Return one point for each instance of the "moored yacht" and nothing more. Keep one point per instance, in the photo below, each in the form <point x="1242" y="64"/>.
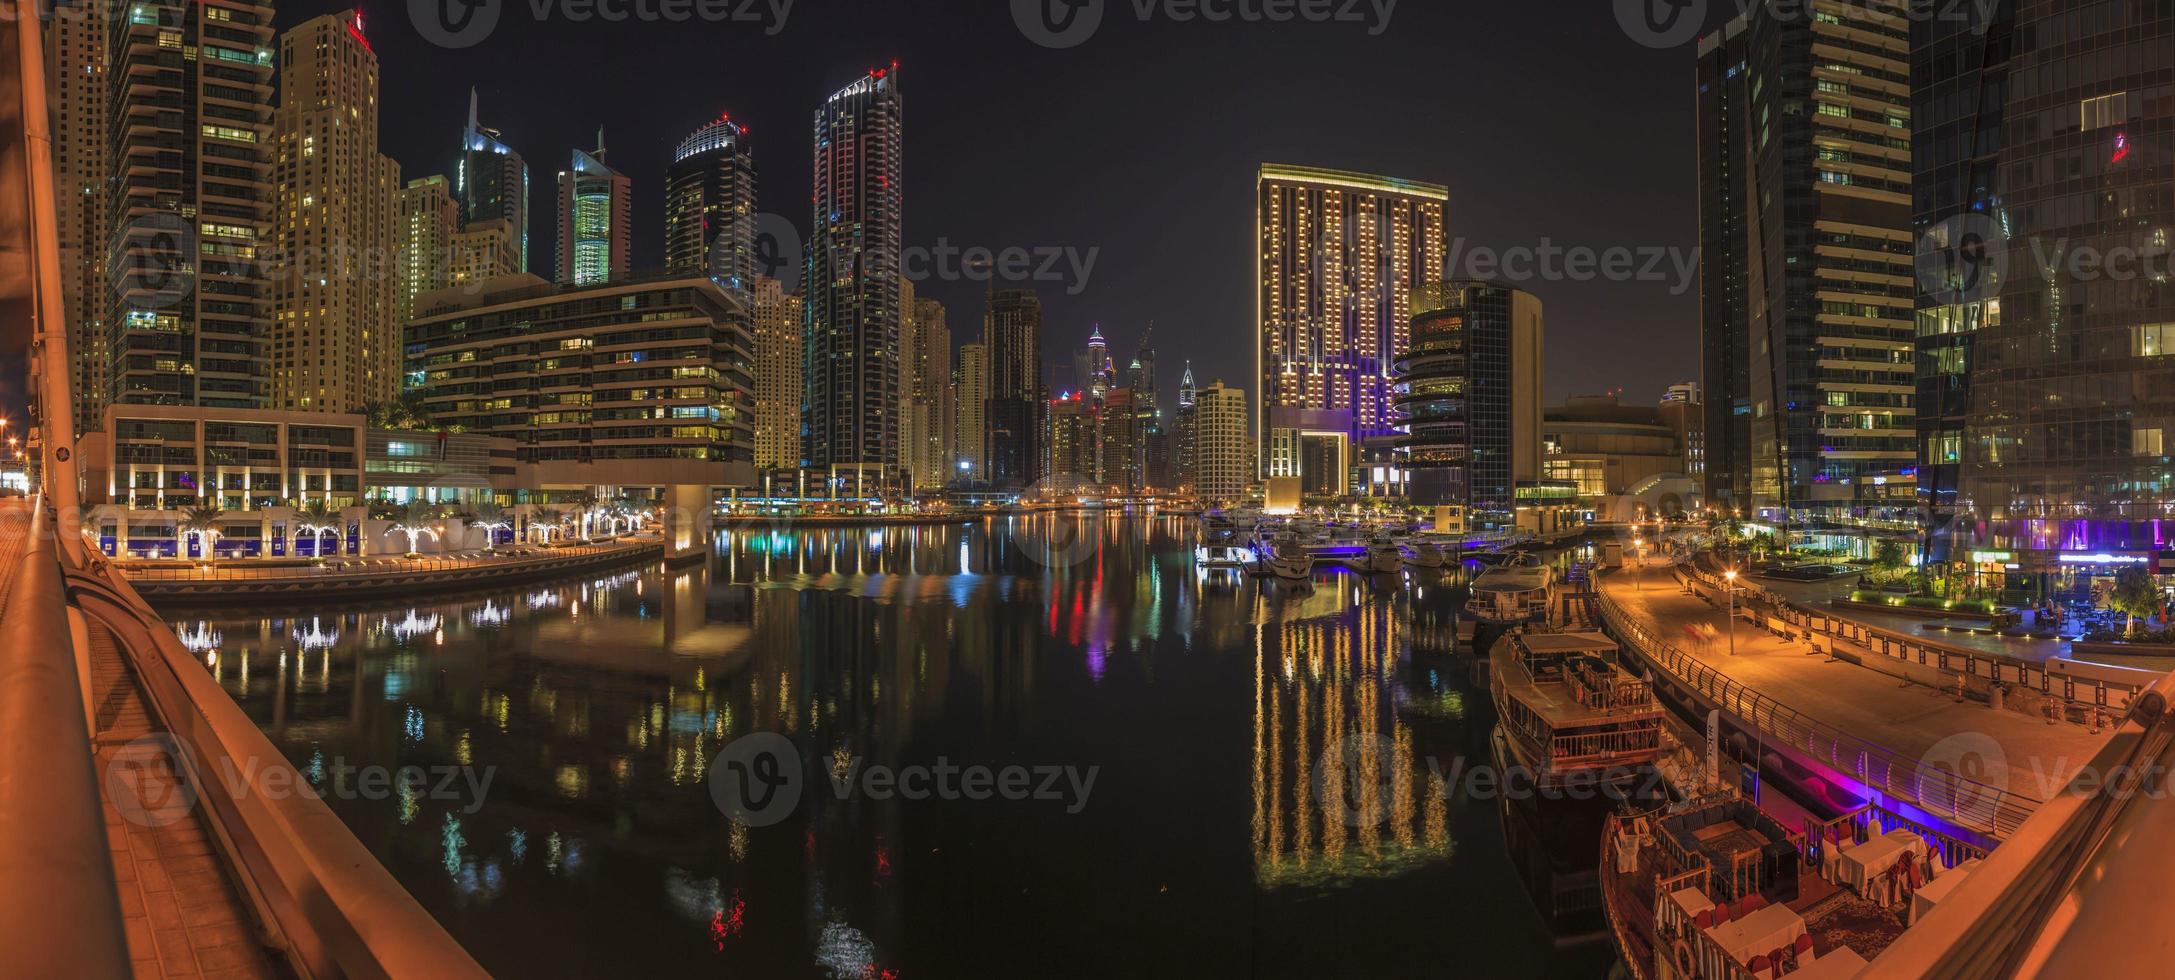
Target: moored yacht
<point x="1567" y="708"/>
<point x="1285" y="557"/>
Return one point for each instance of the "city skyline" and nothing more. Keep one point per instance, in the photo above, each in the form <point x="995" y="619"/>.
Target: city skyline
<point x="1193" y="280"/>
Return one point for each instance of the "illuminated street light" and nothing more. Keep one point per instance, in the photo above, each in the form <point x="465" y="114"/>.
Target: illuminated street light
<point x="1731" y="575"/>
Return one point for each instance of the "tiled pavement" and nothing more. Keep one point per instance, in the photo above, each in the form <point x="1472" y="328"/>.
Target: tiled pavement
<point x="183" y="914"/>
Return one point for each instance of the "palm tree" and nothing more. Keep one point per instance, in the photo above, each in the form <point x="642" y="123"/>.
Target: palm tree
<point x="204" y="523"/>
<point x="584" y="508"/>
<point x="415" y="519"/>
<point x="492" y="518"/>
<point x="547" y="522"/>
<point x="317" y="519"/>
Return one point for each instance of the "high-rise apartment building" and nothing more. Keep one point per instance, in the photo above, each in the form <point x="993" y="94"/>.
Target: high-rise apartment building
<point x="928" y="399"/>
<point x="491" y="182"/>
<point x="1337" y="257"/>
<point x="1012" y="413"/>
<point x="75" y="60"/>
<point x="710" y="207"/>
<point x="2046" y="314"/>
<point x="1473" y="398"/>
<point x="970" y="400"/>
<point x="189" y="203"/>
<point x="1182" y="454"/>
<point x="427" y="222"/>
<point x="483" y="250"/>
<point x="596" y="220"/>
<point x="1807" y="201"/>
<point x="777" y="375"/>
<point x="852" y="277"/>
<point x="335" y="339"/>
<point x="1223" y="459"/>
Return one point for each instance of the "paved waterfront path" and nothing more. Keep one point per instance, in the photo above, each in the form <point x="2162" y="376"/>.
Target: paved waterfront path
<point x="1816" y="595"/>
<point x="14" y="540"/>
<point x="1909" y="719"/>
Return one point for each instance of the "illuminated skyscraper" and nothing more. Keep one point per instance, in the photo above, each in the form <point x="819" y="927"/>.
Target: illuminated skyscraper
<point x="851" y="283"/>
<point x="1012" y="334"/>
<point x="1338" y="257"/>
<point x="928" y="398"/>
<point x="777" y="376"/>
<point x="970" y="400"/>
<point x="1223" y="465"/>
<point x="428" y="220"/>
<point x="76" y="60"/>
<point x="596" y="220"/>
<point x="189" y="204"/>
<point x="491" y="182"/>
<point x="335" y="341"/>
<point x="710" y="207"/>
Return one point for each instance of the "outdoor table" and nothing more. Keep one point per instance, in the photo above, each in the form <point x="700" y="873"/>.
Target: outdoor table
<point x="1934" y="891"/>
<point x="1856" y="867"/>
<point x="1765" y="930"/>
<point x="1689" y="903"/>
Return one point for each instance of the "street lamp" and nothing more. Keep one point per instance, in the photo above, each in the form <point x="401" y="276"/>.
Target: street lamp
<point x="1731" y="575"/>
<point x="1638" y="554"/>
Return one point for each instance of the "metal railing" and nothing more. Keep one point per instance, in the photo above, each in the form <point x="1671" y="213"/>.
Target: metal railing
<point x="60" y="910"/>
<point x="1994" y="811"/>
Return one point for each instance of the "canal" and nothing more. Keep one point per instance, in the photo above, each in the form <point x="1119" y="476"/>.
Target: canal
<point x="1219" y="777"/>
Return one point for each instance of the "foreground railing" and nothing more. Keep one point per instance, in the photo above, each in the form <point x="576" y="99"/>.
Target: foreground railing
<point x="1977" y="806"/>
<point x="323" y="899"/>
<point x="60" y="914"/>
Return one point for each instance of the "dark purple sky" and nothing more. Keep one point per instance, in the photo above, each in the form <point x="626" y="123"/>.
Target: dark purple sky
<point x="1545" y="120"/>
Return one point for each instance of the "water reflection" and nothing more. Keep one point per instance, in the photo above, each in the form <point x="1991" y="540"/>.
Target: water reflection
<point x="1262" y="749"/>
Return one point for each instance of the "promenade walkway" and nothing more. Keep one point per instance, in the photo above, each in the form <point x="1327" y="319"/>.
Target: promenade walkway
<point x="1817" y="595"/>
<point x="1912" y="720"/>
<point x="14" y="539"/>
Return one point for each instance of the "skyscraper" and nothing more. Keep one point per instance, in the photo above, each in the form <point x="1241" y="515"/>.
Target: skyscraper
<point x="483" y="250"/>
<point x="710" y="206"/>
<point x="928" y="397"/>
<point x="335" y="341"/>
<point x="1223" y="456"/>
<point x="970" y="400"/>
<point x="1813" y="170"/>
<point x="1012" y="333"/>
<point x="1724" y="339"/>
<point x="777" y="375"/>
<point x="76" y="59"/>
<point x="851" y="285"/>
<point x="427" y="222"/>
<point x="1473" y="398"/>
<point x="2046" y="318"/>
<point x="596" y="220"/>
<point x="1338" y="255"/>
<point x="190" y="204"/>
<point x="491" y="182"/>
<point x="1182" y="427"/>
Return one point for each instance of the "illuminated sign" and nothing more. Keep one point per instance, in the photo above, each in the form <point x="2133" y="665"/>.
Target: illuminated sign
<point x="1989" y="557"/>
<point x="2103" y="560"/>
<point x="2122" y="148"/>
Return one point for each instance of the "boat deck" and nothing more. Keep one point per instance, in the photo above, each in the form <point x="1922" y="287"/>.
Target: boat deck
<point x="1556" y="700"/>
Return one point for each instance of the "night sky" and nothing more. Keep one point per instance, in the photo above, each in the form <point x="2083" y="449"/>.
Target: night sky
<point x="1544" y="119"/>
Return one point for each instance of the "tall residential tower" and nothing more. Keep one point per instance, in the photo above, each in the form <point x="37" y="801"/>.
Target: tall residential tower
<point x="710" y="207"/>
<point x="596" y="220"/>
<point x="851" y="286"/>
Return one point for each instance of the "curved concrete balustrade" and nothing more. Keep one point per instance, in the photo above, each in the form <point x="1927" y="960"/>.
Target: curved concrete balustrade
<point x="322" y="898"/>
<point x="60" y="915"/>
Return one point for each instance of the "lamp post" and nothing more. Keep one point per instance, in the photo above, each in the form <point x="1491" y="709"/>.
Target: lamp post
<point x="1731" y="576"/>
<point x="1638" y="554"/>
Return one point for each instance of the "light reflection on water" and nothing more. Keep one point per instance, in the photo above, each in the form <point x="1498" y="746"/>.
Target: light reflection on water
<point x="1263" y="805"/>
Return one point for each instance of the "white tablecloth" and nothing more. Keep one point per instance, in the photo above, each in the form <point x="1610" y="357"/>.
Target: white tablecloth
<point x="1934" y="891"/>
<point x="1770" y="928"/>
<point x="1854" y="867"/>
<point x="1689" y="902"/>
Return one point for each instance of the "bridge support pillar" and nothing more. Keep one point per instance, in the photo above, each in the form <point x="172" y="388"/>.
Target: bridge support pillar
<point x="687" y="523"/>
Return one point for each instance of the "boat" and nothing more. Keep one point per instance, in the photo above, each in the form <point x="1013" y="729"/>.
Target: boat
<point x="1285" y="557"/>
<point x="1721" y="888"/>
<point x="1383" y="555"/>
<point x="1213" y="556"/>
<point x="1569" y="712"/>
<point x="1421" y="553"/>
<point x="1517" y="592"/>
